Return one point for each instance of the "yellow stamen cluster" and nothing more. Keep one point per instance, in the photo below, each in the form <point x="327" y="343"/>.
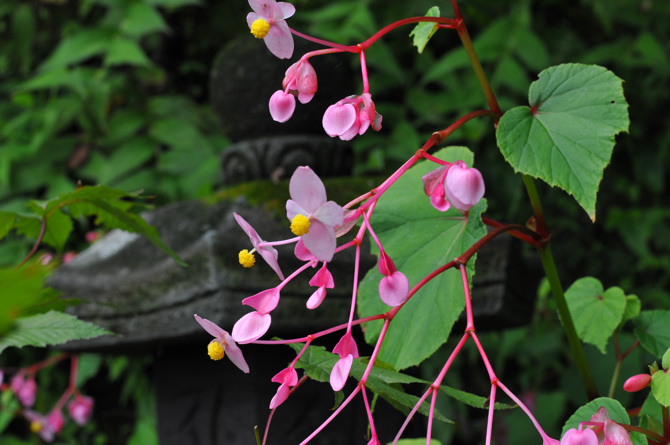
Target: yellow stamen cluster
<point x="247" y="259"/>
<point x="35" y="426"/>
<point x="260" y="28"/>
<point x="215" y="350"/>
<point x="300" y="225"/>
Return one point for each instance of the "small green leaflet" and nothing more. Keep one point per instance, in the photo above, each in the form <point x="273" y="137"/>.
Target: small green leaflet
<point x="423" y="31"/>
<point x="566" y="136"/>
<point x="419" y="239"/>
<point x="596" y="312"/>
<point x="52" y="328"/>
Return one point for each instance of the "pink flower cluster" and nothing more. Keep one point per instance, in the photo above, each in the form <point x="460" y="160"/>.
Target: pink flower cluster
<point x="600" y="430"/>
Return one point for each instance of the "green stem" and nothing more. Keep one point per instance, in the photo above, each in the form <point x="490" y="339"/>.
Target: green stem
<point x="550" y="270"/>
<point x="477" y="66"/>
<point x="615" y="379"/>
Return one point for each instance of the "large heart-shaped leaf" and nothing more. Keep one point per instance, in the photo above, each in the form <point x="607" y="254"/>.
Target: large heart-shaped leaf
<point x="566" y="136"/>
<point x="419" y="239"/>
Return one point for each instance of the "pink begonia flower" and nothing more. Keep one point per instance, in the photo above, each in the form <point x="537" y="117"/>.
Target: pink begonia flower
<point x="324" y="280"/>
<point x="300" y="81"/>
<point x="394" y="287"/>
<point x="463" y="186"/>
<point x="40" y="425"/>
<point x="254" y="325"/>
<point x="81" y="409"/>
<point x="347" y="350"/>
<point x="351" y="116"/>
<point x="312" y="217"/>
<point x="282" y="106"/>
<point x="25" y="389"/>
<point x="268" y="22"/>
<point x="223" y="343"/>
<point x="286" y="379"/>
<point x="637" y="382"/>
<point x="268" y="253"/>
<point x="56" y="420"/>
<point x="579" y="437"/>
<point x="610" y="433"/>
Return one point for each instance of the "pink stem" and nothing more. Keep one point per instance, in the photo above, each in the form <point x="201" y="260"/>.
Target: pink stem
<point x="470" y="325"/>
<point x="524" y="408"/>
<point x="345" y="48"/>
<point x="332" y="416"/>
<point x="489" y="422"/>
<point x="364" y="74"/>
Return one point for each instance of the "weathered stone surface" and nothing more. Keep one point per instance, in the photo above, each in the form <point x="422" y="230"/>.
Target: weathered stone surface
<point x="277" y="158"/>
<point x="132" y="288"/>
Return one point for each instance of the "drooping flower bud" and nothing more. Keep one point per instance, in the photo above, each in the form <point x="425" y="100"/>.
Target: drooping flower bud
<point x="579" y="437"/>
<point x="282" y="106"/>
<point x="81" y="409"/>
<point x="300" y="80"/>
<point x="463" y="186"/>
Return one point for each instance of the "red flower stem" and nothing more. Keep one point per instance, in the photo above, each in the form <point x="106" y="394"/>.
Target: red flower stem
<point x="648" y="433"/>
<point x="364" y="74"/>
<point x="666" y="423"/>
<point x="297" y="272"/>
<point x="302" y="351"/>
<point x="530" y="236"/>
<point x="468" y="117"/>
<point x="40" y="237"/>
<point x="32" y="369"/>
<point x="375" y="352"/>
<point x="357" y="260"/>
<point x="371" y="421"/>
<point x="432" y="158"/>
<point x="524" y="408"/>
<point x="321" y="333"/>
<point x="343" y="48"/>
<point x="446" y="22"/>
<point x="457" y="11"/>
<point x="485" y="359"/>
<point x="465" y="257"/>
<point x="332" y="416"/>
<point x="279" y="243"/>
<point x="489" y="421"/>
<point x="470" y="323"/>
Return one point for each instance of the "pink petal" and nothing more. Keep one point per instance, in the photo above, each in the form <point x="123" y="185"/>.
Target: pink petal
<point x="439" y="200"/>
<point x="212" y="328"/>
<point x="280" y="40"/>
<point x="616" y="434"/>
<point x="287" y="10"/>
<point x="433" y="178"/>
<point x="394" y="289"/>
<point x="286" y="375"/>
<point x="301" y="251"/>
<point x="282" y="106"/>
<point x="251" y="327"/>
<point x="330" y="214"/>
<point x="307" y="190"/>
<point x="293" y="209"/>
<point x="385" y="265"/>
<point x="352" y="131"/>
<point x="601" y="415"/>
<point x="320" y="240"/>
<point x="252" y="17"/>
<point x="316" y="298"/>
<point x="251" y="233"/>
<point x="264" y="302"/>
<point x="270" y="256"/>
<point x="280" y="397"/>
<point x="577" y="437"/>
<point x="463" y="186"/>
<point x="234" y="353"/>
<point x="346" y="346"/>
<point x="340" y="372"/>
<point x="338" y="119"/>
<point x="323" y="278"/>
<point x="264" y="8"/>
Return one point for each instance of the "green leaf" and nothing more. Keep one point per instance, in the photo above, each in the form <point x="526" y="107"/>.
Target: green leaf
<point x="417" y="442"/>
<point x="58" y="228"/>
<point x="566" y="136"/>
<point x="596" y="313"/>
<point x="124" y="51"/>
<point x="111" y="207"/>
<point x="7" y="220"/>
<point x="419" y="239"/>
<point x="615" y="410"/>
<point x="665" y="361"/>
<point x="21" y="289"/>
<point x="78" y="47"/>
<point x="660" y="387"/>
<point x="142" y="19"/>
<point x="52" y="328"/>
<point x="633" y="306"/>
<point x="651" y="328"/>
<point x="423" y="31"/>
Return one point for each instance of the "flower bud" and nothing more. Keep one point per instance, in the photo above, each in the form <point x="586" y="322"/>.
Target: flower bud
<point x="463" y="186"/>
<point x="637" y="383"/>
<point x="81" y="409"/>
<point x="579" y="437"/>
